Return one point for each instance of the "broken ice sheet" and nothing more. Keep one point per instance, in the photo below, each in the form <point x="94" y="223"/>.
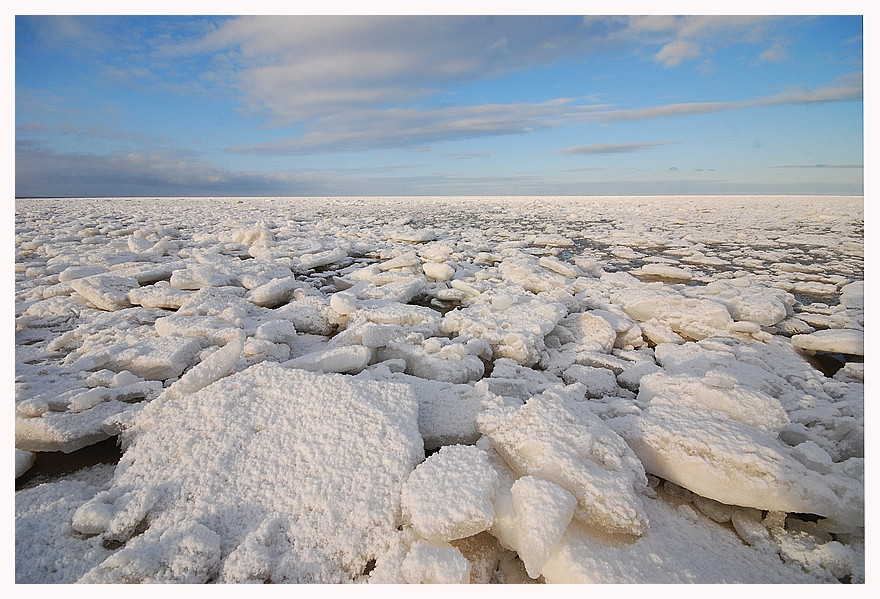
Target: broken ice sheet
<point x="261" y="442"/>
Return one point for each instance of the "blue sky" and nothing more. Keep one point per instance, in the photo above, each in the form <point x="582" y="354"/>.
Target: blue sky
<point x="473" y="105"/>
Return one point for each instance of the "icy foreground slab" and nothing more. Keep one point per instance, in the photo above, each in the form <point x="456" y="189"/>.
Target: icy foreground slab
<point x="561" y="441"/>
<point x="269" y="474"/>
<point x="721" y="440"/>
<point x="449" y="495"/>
<point x="681" y="547"/>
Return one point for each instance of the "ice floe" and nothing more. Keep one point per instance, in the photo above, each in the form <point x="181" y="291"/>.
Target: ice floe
<point x="421" y="390"/>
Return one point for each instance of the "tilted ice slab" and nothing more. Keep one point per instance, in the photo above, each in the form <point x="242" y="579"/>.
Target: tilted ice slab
<point x="721" y="440"/>
<point x="682" y="547"/>
<point x="66" y="431"/>
<point x="560" y="440"/>
<point x="827" y="412"/>
<point x="844" y="341"/>
<point x="449" y="495"/>
<point x="105" y="291"/>
<point x="269" y="474"/>
<point x="157" y="358"/>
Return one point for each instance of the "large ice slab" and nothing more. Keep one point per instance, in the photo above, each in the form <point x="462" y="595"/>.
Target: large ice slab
<point x="262" y="447"/>
<point x="682" y="547"/>
<point x="844" y="341"/>
<point x="722" y="441"/>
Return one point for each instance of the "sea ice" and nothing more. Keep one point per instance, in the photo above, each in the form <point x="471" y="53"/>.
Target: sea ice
<point x="552" y="438"/>
<point x="199" y="332"/>
<point x="240" y="450"/>
<point x="449" y="495"/>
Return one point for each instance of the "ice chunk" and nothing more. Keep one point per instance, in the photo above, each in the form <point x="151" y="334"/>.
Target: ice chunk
<point x="598" y="382"/>
<point x="844" y="341"/>
<point x="723" y="443"/>
<point x="718" y="392"/>
<point x="78" y="272"/>
<point x="691" y="317"/>
<point x="451" y="364"/>
<point x="266" y="442"/>
<point x="208" y="330"/>
<point x="348" y="359"/>
<point x="214" y="367"/>
<point x="197" y="276"/>
<point x="852" y="296"/>
<point x="747" y="300"/>
<point x="516" y="332"/>
<point x="411" y="235"/>
<point x="308" y="313"/>
<point x="405" y="260"/>
<point x="437" y="563"/>
<point x="628" y="333"/>
<point x="632" y="376"/>
<point x="276" y="331"/>
<point x="553" y="439"/>
<point x="591" y="332"/>
<point x="681" y="547"/>
<point x="23" y="461"/>
<point x="343" y="302"/>
<point x="274" y="293"/>
<point x="157" y="358"/>
<point x="399" y="314"/>
<point x="106" y="292"/>
<point x="318" y="259"/>
<point x="438" y="271"/>
<point x="153" y="296"/>
<point x="65" y="431"/>
<point x="543" y="511"/>
<point x="666" y="271"/>
<point x="553" y="264"/>
<point x="449" y="495"/>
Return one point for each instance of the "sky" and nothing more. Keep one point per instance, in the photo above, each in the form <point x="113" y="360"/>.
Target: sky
<point x="437" y="105"/>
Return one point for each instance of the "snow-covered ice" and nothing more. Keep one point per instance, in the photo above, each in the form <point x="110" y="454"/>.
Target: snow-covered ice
<point x="421" y="390"/>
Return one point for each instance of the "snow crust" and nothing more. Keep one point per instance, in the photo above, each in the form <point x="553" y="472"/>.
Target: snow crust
<point x="607" y="389"/>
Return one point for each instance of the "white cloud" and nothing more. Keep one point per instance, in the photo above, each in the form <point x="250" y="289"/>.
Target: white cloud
<point x="848" y="88"/>
<point x="775" y="53"/>
<point x="408" y="127"/>
<point x="412" y="127"/>
<point x="297" y="68"/>
<point x="615" y="148"/>
<point x="673" y="53"/>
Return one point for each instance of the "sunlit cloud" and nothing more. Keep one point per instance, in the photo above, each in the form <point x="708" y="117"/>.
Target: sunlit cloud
<point x="618" y="148"/>
<point x="297" y="68"/>
<point x="860" y="166"/>
<point x="75" y="34"/>
<point x="775" y="53"/>
<point x="673" y="53"/>
<point x="406" y="127"/>
<point x="849" y="88"/>
<point x="413" y="127"/>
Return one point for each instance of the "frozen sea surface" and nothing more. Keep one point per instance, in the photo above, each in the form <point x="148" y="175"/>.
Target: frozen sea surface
<point x="449" y="389"/>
